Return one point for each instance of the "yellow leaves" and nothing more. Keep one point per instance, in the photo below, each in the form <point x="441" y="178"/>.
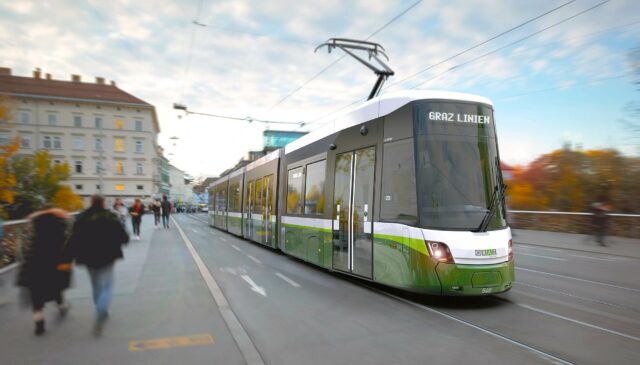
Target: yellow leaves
<point x="66" y="199"/>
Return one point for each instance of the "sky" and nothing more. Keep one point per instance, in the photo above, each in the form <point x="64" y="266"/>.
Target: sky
<point x="569" y="83"/>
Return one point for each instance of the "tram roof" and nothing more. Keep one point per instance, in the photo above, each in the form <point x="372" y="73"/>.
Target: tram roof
<point x="379" y="107"/>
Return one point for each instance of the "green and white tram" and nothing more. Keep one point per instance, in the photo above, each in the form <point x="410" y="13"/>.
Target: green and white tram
<point x="405" y="191"/>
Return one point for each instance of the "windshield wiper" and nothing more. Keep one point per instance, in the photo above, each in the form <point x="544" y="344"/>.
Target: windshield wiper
<point x="493" y="206"/>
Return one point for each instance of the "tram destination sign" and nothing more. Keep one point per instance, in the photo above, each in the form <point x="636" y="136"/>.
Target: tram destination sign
<point x="459" y="118"/>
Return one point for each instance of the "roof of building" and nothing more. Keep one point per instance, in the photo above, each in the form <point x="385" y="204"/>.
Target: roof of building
<point x="86" y="91"/>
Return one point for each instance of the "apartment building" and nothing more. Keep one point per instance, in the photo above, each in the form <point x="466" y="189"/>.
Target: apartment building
<point x="106" y="135"/>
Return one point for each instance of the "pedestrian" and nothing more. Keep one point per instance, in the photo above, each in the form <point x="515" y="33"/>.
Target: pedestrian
<point x="156" y="207"/>
<point x="96" y="242"/>
<point x="120" y="211"/>
<point x="136" y="211"/>
<point x="600" y="211"/>
<point x="166" y="210"/>
<point x="46" y="237"/>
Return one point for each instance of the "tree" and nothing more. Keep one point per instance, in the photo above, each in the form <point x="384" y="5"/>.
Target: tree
<point x="7" y="178"/>
<point x="66" y="199"/>
<point x="37" y="182"/>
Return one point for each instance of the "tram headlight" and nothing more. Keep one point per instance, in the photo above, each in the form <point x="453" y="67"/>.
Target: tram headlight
<point x="510" y="250"/>
<point x="440" y="252"/>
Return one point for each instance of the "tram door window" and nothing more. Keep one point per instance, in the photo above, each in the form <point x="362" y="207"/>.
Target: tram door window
<point x="248" y="201"/>
<point x="256" y="221"/>
<point x="353" y="211"/>
<point x="267" y="199"/>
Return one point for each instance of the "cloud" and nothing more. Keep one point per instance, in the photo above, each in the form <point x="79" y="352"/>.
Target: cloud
<point x="252" y="54"/>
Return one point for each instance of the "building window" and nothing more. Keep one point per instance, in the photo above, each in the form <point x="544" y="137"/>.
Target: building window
<point x="139" y="170"/>
<point x="119" y="168"/>
<point x="119" y="187"/>
<point x="57" y="162"/>
<point x="99" y="168"/>
<point x="98" y="144"/>
<point x="138" y="125"/>
<point x="294" y="191"/>
<point x="4" y="139"/>
<point x="399" y="183"/>
<point x="78" y="143"/>
<point x="78" y="187"/>
<point x="77" y="121"/>
<point x="139" y="147"/>
<point x="57" y="142"/>
<point x="119" y="123"/>
<point x="46" y="142"/>
<point x="314" y="188"/>
<point x="53" y="119"/>
<point x="140" y="187"/>
<point x="98" y="187"/>
<point x="77" y="167"/>
<point x="99" y="122"/>
<point x="119" y="144"/>
<point x="25" y="118"/>
<point x="25" y="141"/>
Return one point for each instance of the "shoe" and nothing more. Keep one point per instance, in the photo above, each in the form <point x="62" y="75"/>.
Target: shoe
<point x="39" y="331"/>
<point x="63" y="310"/>
<point x="99" y="325"/>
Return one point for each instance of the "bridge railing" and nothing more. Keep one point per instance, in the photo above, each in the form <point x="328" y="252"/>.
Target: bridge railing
<point x="11" y="242"/>
<point x="619" y="224"/>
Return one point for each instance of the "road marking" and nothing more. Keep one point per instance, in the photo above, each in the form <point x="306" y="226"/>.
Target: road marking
<point x="287" y="280"/>
<point x="540" y="353"/>
<point x="246" y="346"/>
<point x="258" y="289"/>
<point x="169" y="342"/>
<point x="194" y="231"/>
<point x="538" y="248"/>
<point x="569" y="295"/>
<point x="592" y="258"/>
<point x="255" y="259"/>
<point x="542" y="311"/>
<point x="579" y="279"/>
<point x="236" y="248"/>
<point x="544" y="257"/>
<point x="222" y="239"/>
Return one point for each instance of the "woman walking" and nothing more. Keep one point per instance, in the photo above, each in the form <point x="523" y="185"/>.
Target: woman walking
<point x="121" y="211"/>
<point x="136" y="212"/>
<point x="44" y="245"/>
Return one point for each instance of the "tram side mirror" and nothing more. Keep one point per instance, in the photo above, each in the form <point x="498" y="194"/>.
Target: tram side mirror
<point x="332" y="147"/>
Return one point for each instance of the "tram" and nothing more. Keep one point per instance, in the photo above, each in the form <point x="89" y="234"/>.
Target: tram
<point x="405" y="190"/>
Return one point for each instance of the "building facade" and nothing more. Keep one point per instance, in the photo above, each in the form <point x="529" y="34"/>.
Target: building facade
<point x="180" y="190"/>
<point x="107" y="136"/>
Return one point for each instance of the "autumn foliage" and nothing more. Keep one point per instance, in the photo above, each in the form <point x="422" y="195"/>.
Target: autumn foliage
<point x="571" y="180"/>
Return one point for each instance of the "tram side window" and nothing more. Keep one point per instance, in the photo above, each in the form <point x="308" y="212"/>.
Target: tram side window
<point x="294" y="191"/>
<point x="314" y="188"/>
<point x="399" y="182"/>
<point x="234" y="197"/>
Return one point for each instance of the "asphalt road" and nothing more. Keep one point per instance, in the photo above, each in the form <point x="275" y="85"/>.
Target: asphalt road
<point x="566" y="307"/>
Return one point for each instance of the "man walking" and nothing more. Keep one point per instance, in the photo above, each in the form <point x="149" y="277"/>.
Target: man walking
<point x="156" y="207"/>
<point x="166" y="210"/>
<point x="96" y="241"/>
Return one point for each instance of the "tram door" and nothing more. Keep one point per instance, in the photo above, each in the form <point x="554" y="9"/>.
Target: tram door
<point x="248" y="206"/>
<point x="353" y="212"/>
<point x="257" y="229"/>
<point x="267" y="203"/>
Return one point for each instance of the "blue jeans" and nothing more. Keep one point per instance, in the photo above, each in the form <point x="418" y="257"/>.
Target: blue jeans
<point x="165" y="221"/>
<point x="102" y="284"/>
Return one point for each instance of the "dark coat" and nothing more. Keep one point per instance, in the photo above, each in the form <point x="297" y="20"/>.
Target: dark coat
<point x="46" y="237"/>
<point x="136" y="217"/>
<point x="166" y="207"/>
<point x="97" y="238"/>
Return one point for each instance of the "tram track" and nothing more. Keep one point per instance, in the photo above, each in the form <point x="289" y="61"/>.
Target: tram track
<point x="543" y="354"/>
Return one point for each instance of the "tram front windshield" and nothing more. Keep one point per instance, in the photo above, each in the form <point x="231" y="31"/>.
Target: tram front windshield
<point x="457" y="166"/>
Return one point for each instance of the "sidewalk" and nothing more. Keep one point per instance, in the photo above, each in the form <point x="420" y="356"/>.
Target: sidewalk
<point x="619" y="246"/>
<point x="161" y="313"/>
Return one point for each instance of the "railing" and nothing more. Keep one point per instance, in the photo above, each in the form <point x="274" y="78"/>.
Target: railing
<point x="11" y="242"/>
<point x="619" y="224"/>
